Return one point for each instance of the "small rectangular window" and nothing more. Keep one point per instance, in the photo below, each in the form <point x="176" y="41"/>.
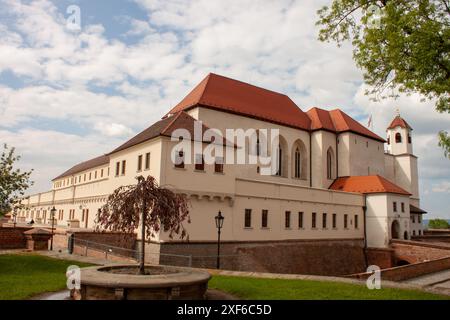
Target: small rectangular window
<point x="300" y="220"/>
<point x="356" y="221"/>
<point x="264" y="218"/>
<point x="218" y="165"/>
<point x="419" y="218"/>
<point x="117" y="168"/>
<point x="147" y="161"/>
<point x="95" y="174"/>
<point x="394" y="206"/>
<point x="334" y="221"/>
<point x="324" y="221"/>
<point x="101" y="173"/>
<point x="345" y="221"/>
<point x="139" y="164"/>
<point x="403" y="206"/>
<point x="124" y="165"/>
<point x="287" y="219"/>
<point x="313" y="220"/>
<point x="248" y="218"/>
<point x="84" y="178"/>
<point x="90" y="176"/>
<point x="199" y="162"/>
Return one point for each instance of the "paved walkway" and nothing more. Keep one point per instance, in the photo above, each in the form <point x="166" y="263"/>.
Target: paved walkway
<point x="439" y="281"/>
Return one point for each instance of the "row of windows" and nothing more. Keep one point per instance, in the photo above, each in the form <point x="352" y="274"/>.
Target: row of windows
<point x="413" y="218"/>
<point x="398" y="138"/>
<point x="394" y="206"/>
<point x="419" y="232"/>
<point x="59" y="215"/>
<point x="142" y="164"/>
<point x="199" y="162"/>
<point x="300" y="220"/>
<point x="97" y="174"/>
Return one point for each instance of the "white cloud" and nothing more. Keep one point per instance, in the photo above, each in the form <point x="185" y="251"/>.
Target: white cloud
<point x="443" y="187"/>
<point x="113" y="129"/>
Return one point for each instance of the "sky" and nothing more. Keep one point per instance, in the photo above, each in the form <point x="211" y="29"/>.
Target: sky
<point x="69" y="95"/>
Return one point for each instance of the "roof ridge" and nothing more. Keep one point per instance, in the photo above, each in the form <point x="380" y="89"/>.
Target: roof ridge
<point x="249" y="84"/>
<point x="176" y="116"/>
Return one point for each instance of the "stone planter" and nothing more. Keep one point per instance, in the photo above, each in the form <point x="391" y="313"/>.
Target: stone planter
<point x="37" y="239"/>
<point x="169" y="283"/>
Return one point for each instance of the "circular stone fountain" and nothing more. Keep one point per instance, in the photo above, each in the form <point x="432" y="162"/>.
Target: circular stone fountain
<point x="121" y="282"/>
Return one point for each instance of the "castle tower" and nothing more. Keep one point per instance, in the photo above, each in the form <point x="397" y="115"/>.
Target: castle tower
<point x="400" y="146"/>
<point x="399" y="136"/>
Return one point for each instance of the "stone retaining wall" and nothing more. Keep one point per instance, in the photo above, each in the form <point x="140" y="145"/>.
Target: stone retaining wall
<point x="317" y="257"/>
<point x="410" y="271"/>
<point x="12" y="238"/>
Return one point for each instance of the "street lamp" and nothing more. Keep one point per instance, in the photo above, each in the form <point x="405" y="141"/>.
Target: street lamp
<point x="219" y="224"/>
<point x="15" y="216"/>
<point x="52" y="216"/>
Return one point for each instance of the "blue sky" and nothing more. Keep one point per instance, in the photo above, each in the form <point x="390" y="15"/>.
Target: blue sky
<point x="67" y="96"/>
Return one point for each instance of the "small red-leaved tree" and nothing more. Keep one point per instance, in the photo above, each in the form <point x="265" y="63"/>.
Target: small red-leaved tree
<point x="147" y="204"/>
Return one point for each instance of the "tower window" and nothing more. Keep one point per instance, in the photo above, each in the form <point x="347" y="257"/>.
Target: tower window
<point x="409" y="138"/>
<point x="398" y="137"/>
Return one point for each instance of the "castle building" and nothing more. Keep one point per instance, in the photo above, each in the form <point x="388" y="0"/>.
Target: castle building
<point x="333" y="178"/>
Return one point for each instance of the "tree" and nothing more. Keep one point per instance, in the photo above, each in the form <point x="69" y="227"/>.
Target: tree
<point x="13" y="182"/>
<point x="401" y="46"/>
<point x="147" y="204"/>
<point x="438" y="224"/>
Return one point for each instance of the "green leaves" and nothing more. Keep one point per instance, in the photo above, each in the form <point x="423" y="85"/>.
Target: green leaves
<point x="406" y="50"/>
<point x="13" y="182"/>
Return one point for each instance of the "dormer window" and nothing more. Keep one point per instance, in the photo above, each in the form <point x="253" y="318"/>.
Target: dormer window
<point x="398" y="138"/>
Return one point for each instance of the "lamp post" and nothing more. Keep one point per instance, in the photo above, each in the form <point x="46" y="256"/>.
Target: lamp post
<point x="15" y="216"/>
<point x="219" y="224"/>
<point x="52" y="216"/>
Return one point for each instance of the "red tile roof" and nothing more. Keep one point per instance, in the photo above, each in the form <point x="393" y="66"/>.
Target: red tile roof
<point x="93" y="163"/>
<point x="366" y="184"/>
<point x="338" y="121"/>
<point x="399" y="122"/>
<point x="229" y="95"/>
<point x="166" y="127"/>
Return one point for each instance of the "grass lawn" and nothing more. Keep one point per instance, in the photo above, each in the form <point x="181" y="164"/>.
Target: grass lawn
<point x="280" y="289"/>
<point x="26" y="275"/>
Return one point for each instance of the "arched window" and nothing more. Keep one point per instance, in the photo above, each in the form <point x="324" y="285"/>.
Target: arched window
<point x="398" y="137"/>
<point x="279" y="160"/>
<point x="297" y="164"/>
<point x="330" y="164"/>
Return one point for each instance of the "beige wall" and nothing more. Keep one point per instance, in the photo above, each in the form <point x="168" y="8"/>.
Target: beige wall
<point x="380" y="215"/>
<point x="277" y="199"/>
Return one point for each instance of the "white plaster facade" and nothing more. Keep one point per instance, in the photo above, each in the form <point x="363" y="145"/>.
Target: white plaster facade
<point x="240" y="190"/>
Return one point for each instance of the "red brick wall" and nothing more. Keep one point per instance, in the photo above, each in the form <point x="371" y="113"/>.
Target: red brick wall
<point x="115" y="239"/>
<point x="384" y="258"/>
<point x="12" y="238"/>
<point x="319" y="257"/>
<point x="414" y="251"/>
<point x="410" y="271"/>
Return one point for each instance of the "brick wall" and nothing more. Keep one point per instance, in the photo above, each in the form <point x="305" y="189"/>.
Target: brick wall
<point x="12" y="238"/>
<point x="415" y="251"/>
<point x="410" y="271"/>
<point x="318" y="257"/>
<point x="384" y="258"/>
